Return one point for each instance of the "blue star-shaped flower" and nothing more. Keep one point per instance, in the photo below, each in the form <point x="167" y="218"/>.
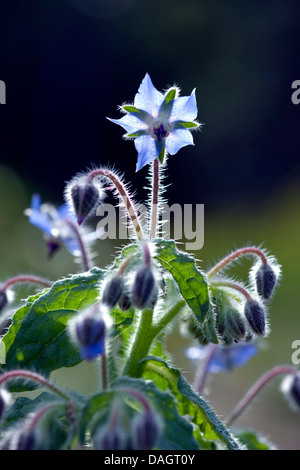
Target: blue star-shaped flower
<point x="53" y="223"/>
<point x="159" y="123"/>
<point x="225" y="358"/>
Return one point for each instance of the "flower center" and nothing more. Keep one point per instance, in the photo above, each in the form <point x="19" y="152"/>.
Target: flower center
<point x="159" y="132"/>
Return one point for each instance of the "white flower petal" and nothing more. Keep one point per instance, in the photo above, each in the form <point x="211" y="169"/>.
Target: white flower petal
<point x="177" y="139"/>
<point x="184" y="108"/>
<point x="148" y="97"/>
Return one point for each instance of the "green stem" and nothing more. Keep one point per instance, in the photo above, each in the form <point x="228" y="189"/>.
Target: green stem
<point x="145" y="336"/>
<point x="141" y="344"/>
<point x="165" y="319"/>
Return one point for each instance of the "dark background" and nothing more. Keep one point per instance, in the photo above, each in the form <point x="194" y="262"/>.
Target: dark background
<point x="67" y="64"/>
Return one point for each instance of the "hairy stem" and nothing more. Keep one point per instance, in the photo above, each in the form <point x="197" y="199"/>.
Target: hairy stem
<point x="83" y="250"/>
<point x="25" y="278"/>
<point x="124" y="195"/>
<point x="29" y="375"/>
<point x="155" y="195"/>
<point x="203" y="370"/>
<point x="141" y="344"/>
<point x="146" y="333"/>
<point x="104" y="368"/>
<point x="233" y="256"/>
<point x="235" y="286"/>
<point x="255" y="389"/>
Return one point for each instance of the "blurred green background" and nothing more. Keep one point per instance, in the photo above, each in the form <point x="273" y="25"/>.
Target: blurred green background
<point x="68" y="64"/>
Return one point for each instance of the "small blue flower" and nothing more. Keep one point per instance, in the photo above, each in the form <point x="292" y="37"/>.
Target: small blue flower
<point x="159" y="123"/>
<point x="224" y="358"/>
<point x="53" y="223"/>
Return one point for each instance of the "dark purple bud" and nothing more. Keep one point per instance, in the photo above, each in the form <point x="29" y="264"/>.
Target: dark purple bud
<point x="295" y="390"/>
<point x="3" y="300"/>
<point x="53" y="246"/>
<point x="26" y="440"/>
<point x="266" y="280"/>
<point x="146" y="431"/>
<point x="255" y="316"/>
<point x="236" y="324"/>
<point x="89" y="331"/>
<point x="84" y="196"/>
<point x="113" y="291"/>
<point x="143" y="287"/>
<point x="125" y="302"/>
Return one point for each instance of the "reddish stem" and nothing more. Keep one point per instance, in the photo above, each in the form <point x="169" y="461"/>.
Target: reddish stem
<point x="236" y="254"/>
<point x="25" y="278"/>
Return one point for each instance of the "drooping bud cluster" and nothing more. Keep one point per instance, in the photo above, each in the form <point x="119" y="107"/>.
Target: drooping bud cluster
<point x="137" y="286"/>
<point x="84" y="195"/>
<point x="230" y="323"/>
<point x="123" y="431"/>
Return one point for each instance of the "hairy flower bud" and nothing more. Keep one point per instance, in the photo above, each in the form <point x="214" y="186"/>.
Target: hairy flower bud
<point x="236" y="325"/>
<point x="125" y="301"/>
<point x="255" y="316"/>
<point x="88" y="330"/>
<point x="84" y="196"/>
<point x="113" y="291"/>
<point x="26" y="440"/>
<point x="266" y="279"/>
<point x="146" y="431"/>
<point x="291" y="388"/>
<point x="143" y="287"/>
<point x="3" y="300"/>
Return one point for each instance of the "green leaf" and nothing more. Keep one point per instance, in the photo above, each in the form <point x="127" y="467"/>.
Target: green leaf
<point x="191" y="282"/>
<point x="37" y="338"/>
<point x="254" y="441"/>
<point x="188" y="402"/>
<point x="176" y="433"/>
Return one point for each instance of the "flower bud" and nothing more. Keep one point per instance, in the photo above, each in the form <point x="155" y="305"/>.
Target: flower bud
<point x="84" y="196"/>
<point x="3" y="300"/>
<point x="26" y="440"/>
<point x="143" y="287"/>
<point x="113" y="291"/>
<point x="146" y="431"/>
<point x="125" y="302"/>
<point x="88" y="330"/>
<point x="255" y="316"/>
<point x="236" y="325"/>
<point x="291" y="388"/>
<point x="266" y="279"/>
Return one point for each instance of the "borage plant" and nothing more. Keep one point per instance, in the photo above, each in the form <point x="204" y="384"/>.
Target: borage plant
<point x="120" y="316"/>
